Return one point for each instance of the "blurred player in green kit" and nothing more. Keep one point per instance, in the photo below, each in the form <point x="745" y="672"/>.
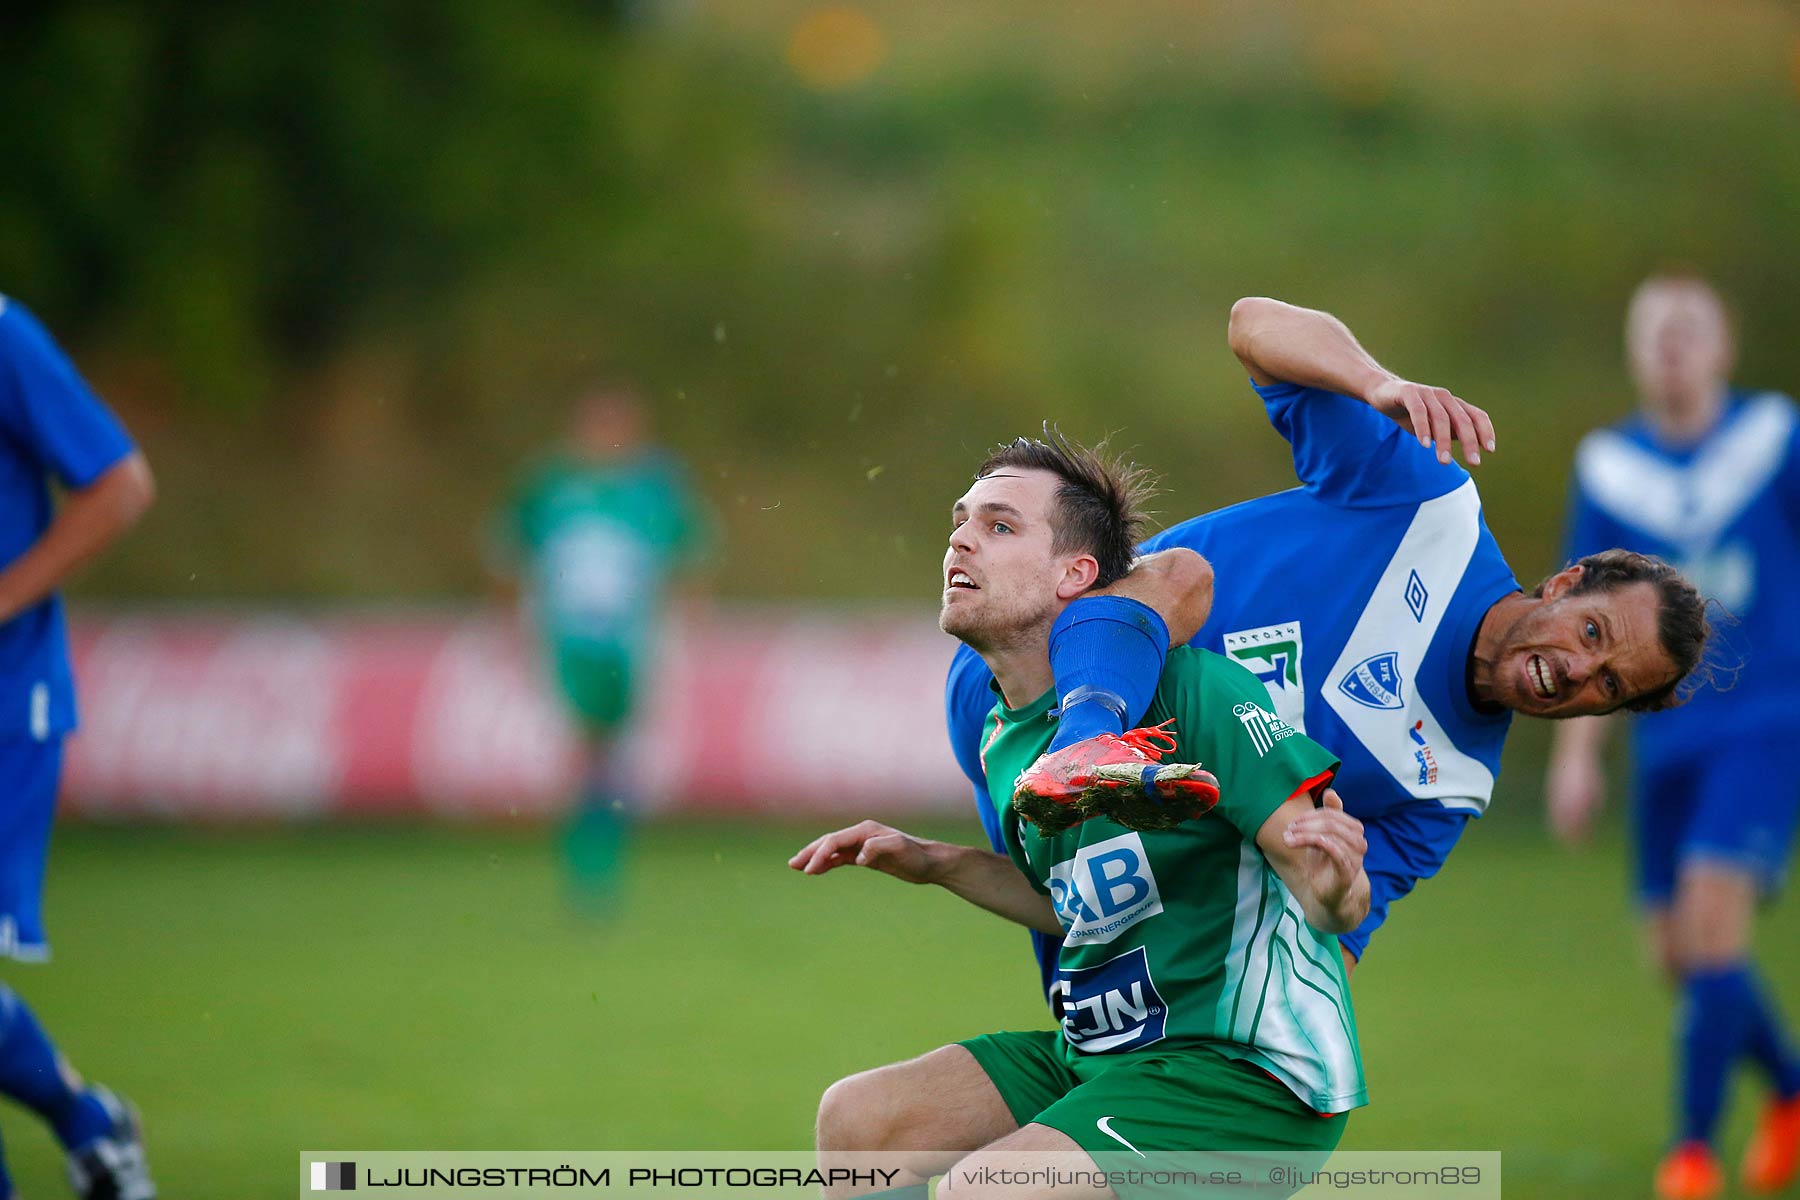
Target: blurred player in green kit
<point x="594" y="535"/>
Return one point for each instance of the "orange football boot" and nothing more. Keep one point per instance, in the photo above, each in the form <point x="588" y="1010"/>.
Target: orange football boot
<point x="1689" y="1172"/>
<point x="1773" y="1157"/>
<point x="1118" y="776"/>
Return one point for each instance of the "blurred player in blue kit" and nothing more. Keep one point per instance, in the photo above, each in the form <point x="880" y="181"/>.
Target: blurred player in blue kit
<point x="1707" y="476"/>
<point x="51" y="427"/>
<point x="1373" y="603"/>
<point x="594" y="535"/>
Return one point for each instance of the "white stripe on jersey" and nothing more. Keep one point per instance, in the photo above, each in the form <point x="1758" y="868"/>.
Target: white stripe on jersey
<point x="1280" y="996"/>
<point x="1438" y="547"/>
<point x="1688" y="506"/>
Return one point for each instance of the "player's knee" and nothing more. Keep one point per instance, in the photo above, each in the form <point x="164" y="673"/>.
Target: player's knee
<point x="860" y="1112"/>
<point x="1703" y="948"/>
<point x="1712" y="916"/>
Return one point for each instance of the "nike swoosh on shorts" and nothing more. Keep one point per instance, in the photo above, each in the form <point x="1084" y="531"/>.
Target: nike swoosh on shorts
<point x="1104" y="1124"/>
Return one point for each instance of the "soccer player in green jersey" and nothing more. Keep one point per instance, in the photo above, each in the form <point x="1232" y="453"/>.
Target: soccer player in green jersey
<point x="593" y="536"/>
<point x="1202" y="998"/>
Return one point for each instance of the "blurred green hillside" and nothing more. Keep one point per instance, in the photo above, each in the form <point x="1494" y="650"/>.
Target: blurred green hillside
<point x="339" y="266"/>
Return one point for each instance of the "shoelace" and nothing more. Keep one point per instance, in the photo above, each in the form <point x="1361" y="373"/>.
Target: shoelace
<point x="1144" y="741"/>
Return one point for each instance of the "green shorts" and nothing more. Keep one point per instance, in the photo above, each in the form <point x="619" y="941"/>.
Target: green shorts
<point x="597" y="686"/>
<point x="1115" y="1106"/>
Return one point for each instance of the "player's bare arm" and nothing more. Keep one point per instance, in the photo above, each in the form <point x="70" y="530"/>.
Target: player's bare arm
<point x="88" y="521"/>
<point x="1318" y="852"/>
<point x="983" y="878"/>
<point x="1176" y="583"/>
<point x="1575" y="780"/>
<point x="1280" y="342"/>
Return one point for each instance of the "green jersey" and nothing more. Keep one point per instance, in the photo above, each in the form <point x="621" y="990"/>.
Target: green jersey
<point x="1187" y="937"/>
<point x="596" y="543"/>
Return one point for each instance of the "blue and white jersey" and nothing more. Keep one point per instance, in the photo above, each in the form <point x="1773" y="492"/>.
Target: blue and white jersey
<point x="1726" y="510"/>
<point x="51" y="425"/>
<point x="1356" y="598"/>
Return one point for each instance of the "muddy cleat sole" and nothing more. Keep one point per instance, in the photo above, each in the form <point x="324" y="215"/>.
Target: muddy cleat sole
<point x="113" y="1166"/>
<point x="1122" y="778"/>
<point x="1157" y="798"/>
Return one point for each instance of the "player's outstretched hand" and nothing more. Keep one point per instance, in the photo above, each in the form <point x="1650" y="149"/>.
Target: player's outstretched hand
<point x="1436" y="417"/>
<point x="870" y="844"/>
<point x="1338" y="837"/>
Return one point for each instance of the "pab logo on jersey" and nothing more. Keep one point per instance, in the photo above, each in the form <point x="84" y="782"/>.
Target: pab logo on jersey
<point x="1375" y="681"/>
<point x="1273" y="653"/>
<point x="1104" y="890"/>
<point x="1263" y="726"/>
<point x="1112" y="1007"/>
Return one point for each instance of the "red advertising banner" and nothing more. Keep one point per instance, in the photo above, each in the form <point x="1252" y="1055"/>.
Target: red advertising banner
<point x="230" y="717"/>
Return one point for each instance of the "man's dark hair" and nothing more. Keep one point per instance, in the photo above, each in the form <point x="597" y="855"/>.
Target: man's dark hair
<point x="1681" y="622"/>
<point x="1100" y="503"/>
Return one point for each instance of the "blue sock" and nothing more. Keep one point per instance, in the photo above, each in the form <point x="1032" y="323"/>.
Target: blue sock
<point x="32" y="1073"/>
<point x="1717" y="1004"/>
<point x="1107" y="653"/>
<point x="1767" y="1044"/>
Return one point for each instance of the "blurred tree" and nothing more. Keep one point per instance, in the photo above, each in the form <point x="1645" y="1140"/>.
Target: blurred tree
<point x="341" y="262"/>
<point x="240" y="186"/>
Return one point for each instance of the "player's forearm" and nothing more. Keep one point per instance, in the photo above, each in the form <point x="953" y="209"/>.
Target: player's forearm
<point x="1178" y="584"/>
<point x="1581" y="736"/>
<point x="991" y="881"/>
<point x="88" y="521"/>
<point x="1339" y="915"/>
<point x="1280" y="342"/>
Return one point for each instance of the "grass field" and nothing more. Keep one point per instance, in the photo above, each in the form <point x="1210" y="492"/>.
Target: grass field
<point x="259" y="994"/>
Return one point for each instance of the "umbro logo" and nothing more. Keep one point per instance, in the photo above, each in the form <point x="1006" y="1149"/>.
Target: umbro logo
<point x="1416" y="596"/>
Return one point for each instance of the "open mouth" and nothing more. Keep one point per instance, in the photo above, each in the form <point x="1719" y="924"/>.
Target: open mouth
<point x="959" y="578"/>
<point x="1543" y="681"/>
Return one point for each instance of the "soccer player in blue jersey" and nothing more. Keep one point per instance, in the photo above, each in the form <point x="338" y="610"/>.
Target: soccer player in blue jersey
<point x="1374" y="605"/>
<point x="51" y="426"/>
<point x="1708" y="477"/>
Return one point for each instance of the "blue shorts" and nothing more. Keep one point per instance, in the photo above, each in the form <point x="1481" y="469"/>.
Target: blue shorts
<point x="1406" y="844"/>
<point x="1737" y="807"/>
<point x="29" y="774"/>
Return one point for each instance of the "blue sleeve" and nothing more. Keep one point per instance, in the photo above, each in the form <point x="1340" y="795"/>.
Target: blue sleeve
<point x="1174" y="535"/>
<point x="967" y="701"/>
<point x="1349" y="455"/>
<point x="47" y="409"/>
